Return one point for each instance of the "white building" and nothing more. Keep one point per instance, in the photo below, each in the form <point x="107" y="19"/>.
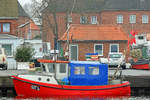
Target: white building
<point x="40" y="48"/>
<point x="37" y="46"/>
<point x="10" y="43"/>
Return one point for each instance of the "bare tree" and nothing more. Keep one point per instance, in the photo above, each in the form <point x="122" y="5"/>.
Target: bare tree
<point x="38" y="6"/>
<point x="27" y="8"/>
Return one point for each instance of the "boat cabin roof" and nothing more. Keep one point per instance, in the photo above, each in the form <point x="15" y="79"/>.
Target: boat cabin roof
<point x="85" y="62"/>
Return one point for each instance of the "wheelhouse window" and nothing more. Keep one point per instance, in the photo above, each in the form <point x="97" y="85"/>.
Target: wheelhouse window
<point x="79" y="70"/>
<point x="51" y="68"/>
<point x="83" y="20"/>
<point x="98" y="48"/>
<point x="132" y="19"/>
<point x="144" y="19"/>
<point x="93" y="70"/>
<point x="114" y="48"/>
<point x="119" y="19"/>
<point x="5" y="27"/>
<point x="8" y="49"/>
<point x="93" y="19"/>
<point x="62" y="68"/>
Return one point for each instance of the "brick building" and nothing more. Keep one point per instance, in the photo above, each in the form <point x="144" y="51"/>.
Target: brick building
<point x="11" y="16"/>
<point x="15" y="21"/>
<point x="63" y="10"/>
<point x="100" y="39"/>
<point x="130" y="15"/>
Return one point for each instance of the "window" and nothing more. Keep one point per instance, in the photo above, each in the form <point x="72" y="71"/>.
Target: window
<point x="94" y="20"/>
<point x="83" y="19"/>
<point x="119" y="19"/>
<point x="144" y="19"/>
<point x="98" y="48"/>
<point x="43" y="68"/>
<point x="73" y="52"/>
<point x="69" y="19"/>
<point x="0" y="28"/>
<point x="62" y="68"/>
<point x="114" y="48"/>
<point x="132" y="19"/>
<point x="79" y="70"/>
<point x="51" y="67"/>
<point x="8" y="49"/>
<point x="4" y="27"/>
<point x="93" y="70"/>
<point x="140" y="37"/>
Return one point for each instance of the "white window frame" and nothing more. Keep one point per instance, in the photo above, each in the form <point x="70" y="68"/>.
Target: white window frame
<point x="95" y="49"/>
<point x="119" y="19"/>
<point x="70" y="51"/>
<point x="69" y="19"/>
<point x="132" y="19"/>
<point x="85" y="18"/>
<point x="145" y="19"/>
<point x="8" y="27"/>
<point x="11" y="49"/>
<point x="111" y="45"/>
<point x="93" y="19"/>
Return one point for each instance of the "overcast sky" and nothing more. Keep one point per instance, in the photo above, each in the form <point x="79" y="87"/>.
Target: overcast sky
<point x="22" y="2"/>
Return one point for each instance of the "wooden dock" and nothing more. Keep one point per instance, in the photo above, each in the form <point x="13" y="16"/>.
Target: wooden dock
<point x="139" y="80"/>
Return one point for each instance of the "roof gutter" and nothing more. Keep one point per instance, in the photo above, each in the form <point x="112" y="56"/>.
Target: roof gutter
<point x="8" y="17"/>
<point x="110" y="41"/>
<point x="22" y="25"/>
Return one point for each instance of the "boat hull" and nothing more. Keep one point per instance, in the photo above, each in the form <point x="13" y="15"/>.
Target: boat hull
<point x="140" y="66"/>
<point x="30" y="88"/>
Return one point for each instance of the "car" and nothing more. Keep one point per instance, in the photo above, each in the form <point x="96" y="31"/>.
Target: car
<point x="114" y="59"/>
<point x="3" y="59"/>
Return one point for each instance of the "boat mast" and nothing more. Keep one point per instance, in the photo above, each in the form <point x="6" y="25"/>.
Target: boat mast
<point x="68" y="27"/>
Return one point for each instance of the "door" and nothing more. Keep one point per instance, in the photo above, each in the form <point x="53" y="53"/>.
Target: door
<point x="73" y="52"/>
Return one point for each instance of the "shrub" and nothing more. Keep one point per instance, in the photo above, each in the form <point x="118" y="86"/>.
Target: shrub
<point x="24" y="54"/>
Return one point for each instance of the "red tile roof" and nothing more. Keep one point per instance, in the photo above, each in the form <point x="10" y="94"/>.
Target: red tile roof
<point x="95" y="32"/>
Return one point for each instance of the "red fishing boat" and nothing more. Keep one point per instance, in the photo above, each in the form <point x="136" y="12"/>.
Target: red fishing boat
<point x="84" y="78"/>
<point x="140" y="64"/>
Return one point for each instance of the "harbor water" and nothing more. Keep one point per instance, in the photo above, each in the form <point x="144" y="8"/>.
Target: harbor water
<point x="80" y="98"/>
<point x="11" y="96"/>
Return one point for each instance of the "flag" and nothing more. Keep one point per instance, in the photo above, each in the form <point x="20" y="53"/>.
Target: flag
<point x="132" y="39"/>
